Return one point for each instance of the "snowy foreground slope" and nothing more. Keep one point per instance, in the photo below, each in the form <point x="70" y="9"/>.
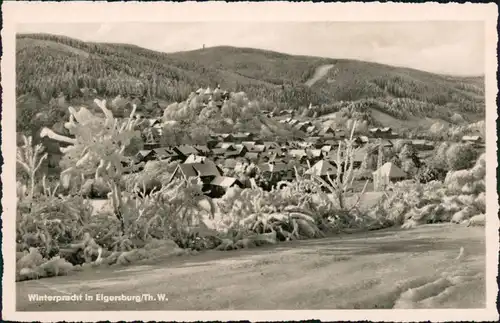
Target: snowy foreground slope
<point x="419" y="268"/>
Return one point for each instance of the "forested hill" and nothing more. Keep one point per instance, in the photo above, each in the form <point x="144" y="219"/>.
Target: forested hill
<point x="48" y="66"/>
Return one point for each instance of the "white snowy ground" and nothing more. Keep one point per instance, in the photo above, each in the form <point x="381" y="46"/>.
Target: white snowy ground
<point x="381" y="269"/>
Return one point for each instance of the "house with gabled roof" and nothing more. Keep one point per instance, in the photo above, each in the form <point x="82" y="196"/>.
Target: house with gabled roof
<point x="163" y="153"/>
<point x="185" y="150"/>
<point x="205" y="170"/>
<point x="322" y="169"/>
<point x="252" y="156"/>
<point x="248" y="144"/>
<point x="327" y="130"/>
<point x="387" y="174"/>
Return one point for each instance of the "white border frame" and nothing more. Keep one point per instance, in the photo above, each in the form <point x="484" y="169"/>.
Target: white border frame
<point x="98" y="12"/>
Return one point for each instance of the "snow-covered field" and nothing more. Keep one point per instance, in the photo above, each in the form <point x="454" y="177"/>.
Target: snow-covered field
<point x="418" y="268"/>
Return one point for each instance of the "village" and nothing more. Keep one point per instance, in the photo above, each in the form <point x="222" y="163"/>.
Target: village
<point x="227" y="155"/>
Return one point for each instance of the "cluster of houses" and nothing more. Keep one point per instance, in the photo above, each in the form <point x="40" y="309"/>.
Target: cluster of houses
<point x="227" y="153"/>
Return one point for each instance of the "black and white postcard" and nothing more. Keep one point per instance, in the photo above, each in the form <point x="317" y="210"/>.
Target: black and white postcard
<point x="249" y="161"/>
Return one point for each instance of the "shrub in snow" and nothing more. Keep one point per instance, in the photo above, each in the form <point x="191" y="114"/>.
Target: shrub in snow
<point x="456" y="180"/>
<point x="477" y="220"/>
<point x="462" y="215"/>
<point x="33" y="266"/>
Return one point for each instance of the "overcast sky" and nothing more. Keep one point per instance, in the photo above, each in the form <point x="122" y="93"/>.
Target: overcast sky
<point x="456" y="48"/>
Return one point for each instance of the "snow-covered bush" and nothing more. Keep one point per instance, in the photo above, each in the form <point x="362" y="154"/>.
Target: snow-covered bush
<point x="32" y="265"/>
<point x="458" y="199"/>
<point x="51" y="221"/>
<point x="98" y="149"/>
<point x="170" y="212"/>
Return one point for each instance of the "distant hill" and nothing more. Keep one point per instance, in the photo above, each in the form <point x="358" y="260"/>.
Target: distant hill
<point x="50" y="67"/>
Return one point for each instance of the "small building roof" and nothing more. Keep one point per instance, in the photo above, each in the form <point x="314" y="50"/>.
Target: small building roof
<point x="219" y="151"/>
<point x="471" y="138"/>
<point x="186" y="150"/>
<point x="144" y="153"/>
<point x="224" y="181"/>
<point x="297" y="152"/>
<point x="322" y="168"/>
<point x="202" y="148"/>
<point x="314" y="152"/>
<point x="252" y="155"/>
<point x="326" y="148"/>
<point x="207" y="168"/>
<point x="227" y="146"/>
<point x="163" y="152"/>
